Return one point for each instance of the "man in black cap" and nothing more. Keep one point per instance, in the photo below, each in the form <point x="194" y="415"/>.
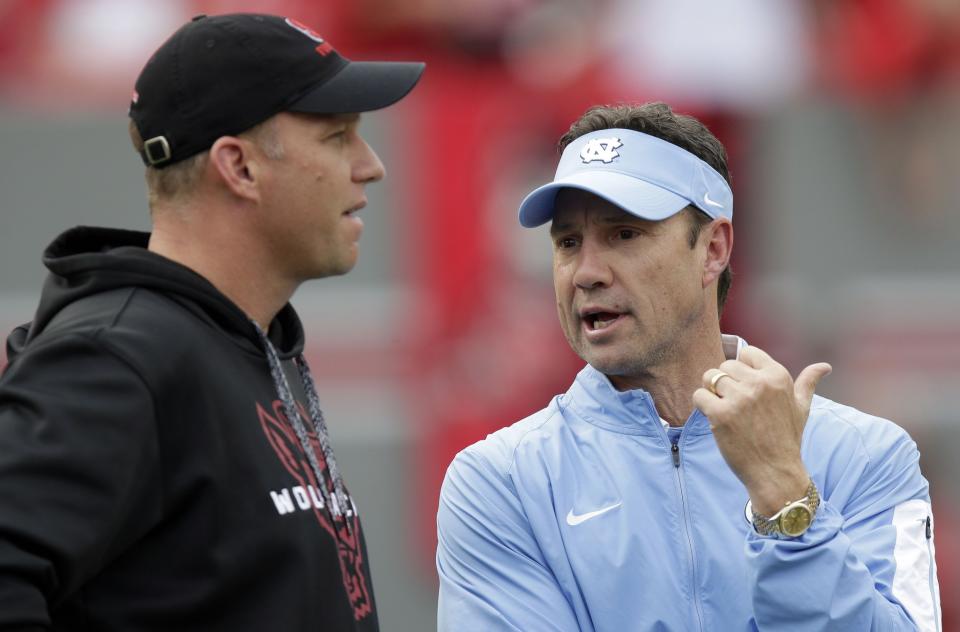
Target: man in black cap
<point x="164" y="461"/>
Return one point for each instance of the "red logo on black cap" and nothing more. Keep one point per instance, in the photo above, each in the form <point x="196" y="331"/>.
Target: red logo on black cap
<point x="323" y="46"/>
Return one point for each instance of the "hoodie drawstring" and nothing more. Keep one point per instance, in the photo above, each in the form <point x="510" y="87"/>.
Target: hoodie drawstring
<point x="340" y="499"/>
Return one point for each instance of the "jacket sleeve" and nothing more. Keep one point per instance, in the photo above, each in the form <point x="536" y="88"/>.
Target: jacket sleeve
<point x="492" y="574"/>
<point x="866" y="563"/>
<point x="77" y="449"/>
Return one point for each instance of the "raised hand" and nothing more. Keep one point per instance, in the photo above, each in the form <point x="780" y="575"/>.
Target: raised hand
<point x="757" y="413"/>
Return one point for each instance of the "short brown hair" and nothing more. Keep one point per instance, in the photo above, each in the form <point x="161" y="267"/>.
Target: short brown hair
<point x="686" y="132"/>
<point x="180" y="177"/>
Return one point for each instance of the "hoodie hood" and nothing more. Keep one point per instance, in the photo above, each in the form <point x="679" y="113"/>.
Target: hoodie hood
<point x="84" y="261"/>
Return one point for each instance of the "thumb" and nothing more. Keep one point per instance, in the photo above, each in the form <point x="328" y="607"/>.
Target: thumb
<point x="806" y="384"/>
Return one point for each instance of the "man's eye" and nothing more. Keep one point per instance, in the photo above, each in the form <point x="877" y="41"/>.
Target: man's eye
<point x="626" y="233"/>
<point x="566" y="242"/>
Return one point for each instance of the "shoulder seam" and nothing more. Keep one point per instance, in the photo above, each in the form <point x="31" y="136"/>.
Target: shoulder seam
<point x="831" y="409"/>
<point x="513" y="455"/>
<point x="123" y="307"/>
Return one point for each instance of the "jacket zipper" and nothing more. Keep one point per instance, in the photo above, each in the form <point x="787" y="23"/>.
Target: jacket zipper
<point x="932" y="577"/>
<point x="675" y="452"/>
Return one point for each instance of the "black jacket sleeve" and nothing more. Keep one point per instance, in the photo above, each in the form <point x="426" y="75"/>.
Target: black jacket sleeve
<point x="79" y="471"/>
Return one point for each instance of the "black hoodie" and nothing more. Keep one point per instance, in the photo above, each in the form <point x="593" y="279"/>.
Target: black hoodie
<point x="149" y="477"/>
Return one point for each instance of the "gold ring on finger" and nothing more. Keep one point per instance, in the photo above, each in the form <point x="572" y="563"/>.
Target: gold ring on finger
<point x="716" y="378"/>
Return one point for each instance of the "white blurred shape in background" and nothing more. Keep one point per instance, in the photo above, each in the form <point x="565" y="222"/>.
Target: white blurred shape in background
<point x="93" y="39"/>
<point x="737" y="54"/>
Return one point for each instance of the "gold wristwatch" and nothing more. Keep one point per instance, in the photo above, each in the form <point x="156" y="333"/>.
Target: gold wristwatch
<point x="793" y="520"/>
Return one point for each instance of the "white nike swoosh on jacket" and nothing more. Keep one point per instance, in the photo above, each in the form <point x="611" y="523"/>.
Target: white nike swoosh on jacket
<point x="573" y="519"/>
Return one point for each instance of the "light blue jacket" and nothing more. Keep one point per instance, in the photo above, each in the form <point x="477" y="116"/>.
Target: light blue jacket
<point x="585" y="516"/>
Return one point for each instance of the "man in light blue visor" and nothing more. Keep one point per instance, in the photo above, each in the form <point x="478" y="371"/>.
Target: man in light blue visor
<point x="685" y="481"/>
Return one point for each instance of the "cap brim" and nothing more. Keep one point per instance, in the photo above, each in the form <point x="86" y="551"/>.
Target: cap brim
<point x="361" y="86"/>
<point x="637" y="197"/>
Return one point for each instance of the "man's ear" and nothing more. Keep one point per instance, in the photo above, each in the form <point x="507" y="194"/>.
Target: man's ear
<point x="234" y="161"/>
<point x="718" y="236"/>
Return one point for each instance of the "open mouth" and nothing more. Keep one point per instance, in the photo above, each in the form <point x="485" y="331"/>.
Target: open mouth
<point x="352" y="211"/>
<point x="600" y="320"/>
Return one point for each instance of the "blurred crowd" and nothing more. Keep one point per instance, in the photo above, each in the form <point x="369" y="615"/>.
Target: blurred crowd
<point x="872" y="289"/>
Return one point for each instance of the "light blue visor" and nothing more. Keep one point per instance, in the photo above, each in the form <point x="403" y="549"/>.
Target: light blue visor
<point x="644" y="175"/>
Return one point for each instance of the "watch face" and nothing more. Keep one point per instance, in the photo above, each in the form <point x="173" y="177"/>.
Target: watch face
<point x="795" y="520"/>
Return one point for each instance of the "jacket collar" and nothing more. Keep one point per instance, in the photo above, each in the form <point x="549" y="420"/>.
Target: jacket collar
<point x="598" y="402"/>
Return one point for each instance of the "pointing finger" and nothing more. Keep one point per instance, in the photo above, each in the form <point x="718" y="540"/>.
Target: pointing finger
<point x="806" y="384"/>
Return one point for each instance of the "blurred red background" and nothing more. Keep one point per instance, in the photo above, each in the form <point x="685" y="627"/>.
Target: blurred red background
<point x="475" y="344"/>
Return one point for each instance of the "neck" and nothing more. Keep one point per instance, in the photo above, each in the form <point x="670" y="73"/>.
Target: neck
<point x="672" y="381"/>
<point x="225" y="254"/>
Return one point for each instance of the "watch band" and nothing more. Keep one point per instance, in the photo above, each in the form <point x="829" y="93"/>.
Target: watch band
<point x="793" y="520"/>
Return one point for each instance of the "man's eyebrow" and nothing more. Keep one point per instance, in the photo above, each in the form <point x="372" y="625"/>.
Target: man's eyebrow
<point x="606" y="219"/>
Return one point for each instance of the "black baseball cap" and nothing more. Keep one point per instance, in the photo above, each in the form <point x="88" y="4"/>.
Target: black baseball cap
<point x="220" y="75"/>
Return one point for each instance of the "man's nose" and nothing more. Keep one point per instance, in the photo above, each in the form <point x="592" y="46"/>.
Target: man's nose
<point x="368" y="167"/>
<point x="592" y="268"/>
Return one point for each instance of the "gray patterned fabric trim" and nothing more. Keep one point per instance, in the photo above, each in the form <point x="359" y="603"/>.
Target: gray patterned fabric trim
<point x="319" y="426"/>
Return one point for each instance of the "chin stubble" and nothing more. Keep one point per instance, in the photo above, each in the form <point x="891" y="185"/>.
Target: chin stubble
<point x="633" y="365"/>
